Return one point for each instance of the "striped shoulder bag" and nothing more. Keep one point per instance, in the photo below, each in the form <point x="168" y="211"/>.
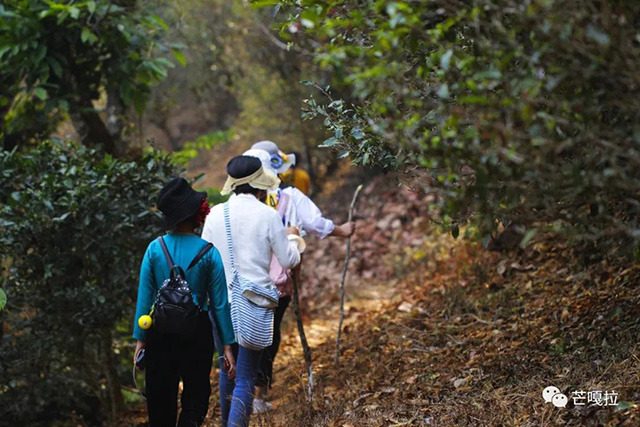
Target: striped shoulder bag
<point x="252" y="306"/>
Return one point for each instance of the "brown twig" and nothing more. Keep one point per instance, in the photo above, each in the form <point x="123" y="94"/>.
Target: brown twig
<point x="344" y="274"/>
<point x="303" y="338"/>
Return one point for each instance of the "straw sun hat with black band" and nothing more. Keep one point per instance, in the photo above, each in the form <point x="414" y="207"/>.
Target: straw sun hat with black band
<point x="248" y="170"/>
<point x="178" y="202"/>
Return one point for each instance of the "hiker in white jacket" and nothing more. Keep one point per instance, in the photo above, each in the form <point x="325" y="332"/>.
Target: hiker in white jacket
<point x="308" y="216"/>
<point x="295" y="208"/>
<point x="257" y="235"/>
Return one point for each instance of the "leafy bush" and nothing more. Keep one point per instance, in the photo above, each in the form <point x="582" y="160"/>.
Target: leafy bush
<point x="520" y="111"/>
<point x="73" y="228"/>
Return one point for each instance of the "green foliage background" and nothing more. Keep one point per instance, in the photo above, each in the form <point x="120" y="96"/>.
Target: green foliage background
<point x="57" y="57"/>
<point x="520" y="112"/>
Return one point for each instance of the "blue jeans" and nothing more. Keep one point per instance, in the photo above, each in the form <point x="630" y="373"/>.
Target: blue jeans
<point x="236" y="396"/>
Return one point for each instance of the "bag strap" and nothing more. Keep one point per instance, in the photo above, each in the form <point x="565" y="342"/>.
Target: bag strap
<point x="195" y="260"/>
<point x="166" y="253"/>
<point x="283" y="204"/>
<point x="227" y="227"/>
<point x="201" y="254"/>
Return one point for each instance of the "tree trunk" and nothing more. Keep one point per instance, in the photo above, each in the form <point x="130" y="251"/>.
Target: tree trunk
<point x="115" y="121"/>
<point x="90" y="369"/>
<point x="90" y="127"/>
<point x="116" y="401"/>
<point x="310" y="167"/>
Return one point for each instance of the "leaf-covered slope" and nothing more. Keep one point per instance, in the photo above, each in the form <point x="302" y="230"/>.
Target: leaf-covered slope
<point x="465" y="336"/>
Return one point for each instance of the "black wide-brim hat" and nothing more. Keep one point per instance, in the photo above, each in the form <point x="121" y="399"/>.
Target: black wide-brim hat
<point x="178" y="201"/>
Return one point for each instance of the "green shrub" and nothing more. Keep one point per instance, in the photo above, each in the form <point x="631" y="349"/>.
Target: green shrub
<point x="74" y="225"/>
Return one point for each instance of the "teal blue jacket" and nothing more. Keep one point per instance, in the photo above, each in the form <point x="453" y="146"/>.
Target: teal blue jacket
<point x="206" y="279"/>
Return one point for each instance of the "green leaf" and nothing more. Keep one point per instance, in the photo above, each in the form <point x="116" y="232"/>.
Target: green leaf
<point x="139" y="102"/>
<point x="87" y="36"/>
<point x="446" y="60"/>
<point x="474" y="100"/>
<point x="91" y="5"/>
<point x="307" y="23"/>
<point x="159" y="21"/>
<point x="74" y="12"/>
<point x="443" y="92"/>
<point x="3" y="299"/>
<point x="40" y="93"/>
<point x="330" y="142"/>
<point x="40" y="54"/>
<point x="263" y="3"/>
<point x="61" y="217"/>
<point x="488" y="75"/>
<point x="598" y="35"/>
<point x="55" y="66"/>
<point x="126" y="90"/>
<point x="527" y="237"/>
<point x="624" y="405"/>
<point x="179" y="57"/>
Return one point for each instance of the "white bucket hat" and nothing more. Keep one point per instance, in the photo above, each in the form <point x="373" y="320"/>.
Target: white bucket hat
<point x="264" y="157"/>
<point x="280" y="161"/>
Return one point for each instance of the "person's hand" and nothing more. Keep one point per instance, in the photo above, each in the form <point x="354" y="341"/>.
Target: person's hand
<point x="229" y="362"/>
<point x="293" y="230"/>
<point x="139" y="346"/>
<point x="345" y="230"/>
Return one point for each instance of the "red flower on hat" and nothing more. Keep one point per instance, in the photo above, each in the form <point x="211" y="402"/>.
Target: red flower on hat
<point x="203" y="211"/>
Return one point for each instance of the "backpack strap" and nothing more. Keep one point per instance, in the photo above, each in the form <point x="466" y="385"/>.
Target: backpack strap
<point x="167" y="256"/>
<point x="201" y="254"/>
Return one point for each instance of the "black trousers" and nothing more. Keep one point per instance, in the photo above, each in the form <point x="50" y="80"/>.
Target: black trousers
<point x="167" y="361"/>
<point x="265" y="372"/>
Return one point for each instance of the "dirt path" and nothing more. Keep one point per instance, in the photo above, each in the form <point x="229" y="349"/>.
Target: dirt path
<point x="321" y="333"/>
<point x="391" y="224"/>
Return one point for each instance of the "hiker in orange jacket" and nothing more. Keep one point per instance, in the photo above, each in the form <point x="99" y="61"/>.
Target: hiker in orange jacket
<point x="297" y="177"/>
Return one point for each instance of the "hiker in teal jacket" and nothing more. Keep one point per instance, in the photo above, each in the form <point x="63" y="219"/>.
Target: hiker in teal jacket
<point x="168" y="358"/>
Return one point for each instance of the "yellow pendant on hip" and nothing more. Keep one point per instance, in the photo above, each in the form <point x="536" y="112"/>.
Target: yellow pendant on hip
<point x="145" y="322"/>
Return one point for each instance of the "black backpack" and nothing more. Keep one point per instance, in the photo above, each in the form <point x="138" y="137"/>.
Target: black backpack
<point x="174" y="312"/>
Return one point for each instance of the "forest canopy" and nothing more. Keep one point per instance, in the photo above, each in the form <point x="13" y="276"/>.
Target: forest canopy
<point x="57" y="58"/>
<point x="519" y="112"/>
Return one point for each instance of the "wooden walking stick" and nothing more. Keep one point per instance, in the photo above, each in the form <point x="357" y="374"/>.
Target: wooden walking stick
<point x="344" y="274"/>
<point x="303" y="338"/>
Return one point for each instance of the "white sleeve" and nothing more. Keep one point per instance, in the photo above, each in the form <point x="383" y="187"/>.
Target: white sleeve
<point x="285" y="251"/>
<point x="310" y="216"/>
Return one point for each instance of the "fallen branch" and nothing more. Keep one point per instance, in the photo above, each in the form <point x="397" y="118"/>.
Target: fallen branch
<point x="344" y="274"/>
<point x="303" y="338"/>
